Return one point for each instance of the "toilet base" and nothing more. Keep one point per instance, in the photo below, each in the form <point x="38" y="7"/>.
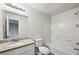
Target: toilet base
<point x="37" y="52"/>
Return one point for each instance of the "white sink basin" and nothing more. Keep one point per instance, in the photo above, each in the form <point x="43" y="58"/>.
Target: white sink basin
<point x="9" y="43"/>
<point x="18" y="43"/>
<point x="14" y="44"/>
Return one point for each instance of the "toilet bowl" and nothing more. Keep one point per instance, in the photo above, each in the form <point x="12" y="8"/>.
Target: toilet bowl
<point x="42" y="49"/>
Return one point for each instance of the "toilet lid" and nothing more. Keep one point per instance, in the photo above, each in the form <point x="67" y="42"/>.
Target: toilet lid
<point x="44" y="50"/>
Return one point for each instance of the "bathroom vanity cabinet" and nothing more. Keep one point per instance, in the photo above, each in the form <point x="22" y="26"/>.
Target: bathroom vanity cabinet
<point x="23" y="50"/>
<point x="17" y="27"/>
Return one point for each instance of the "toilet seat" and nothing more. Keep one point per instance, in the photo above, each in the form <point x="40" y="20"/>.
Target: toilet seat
<point x="43" y="50"/>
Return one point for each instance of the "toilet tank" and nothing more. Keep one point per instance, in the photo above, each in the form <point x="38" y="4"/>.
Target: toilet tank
<point x="39" y="42"/>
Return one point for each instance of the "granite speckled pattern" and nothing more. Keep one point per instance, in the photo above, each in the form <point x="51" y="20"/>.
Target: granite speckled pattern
<point x="11" y="45"/>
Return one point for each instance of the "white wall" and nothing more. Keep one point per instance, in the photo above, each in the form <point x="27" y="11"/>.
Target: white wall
<point x="39" y="23"/>
<point x="64" y="31"/>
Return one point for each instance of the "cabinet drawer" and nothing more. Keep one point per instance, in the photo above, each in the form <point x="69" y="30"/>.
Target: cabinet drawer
<point x="21" y="50"/>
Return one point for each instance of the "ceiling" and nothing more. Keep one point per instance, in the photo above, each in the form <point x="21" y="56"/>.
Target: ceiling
<point x="53" y="8"/>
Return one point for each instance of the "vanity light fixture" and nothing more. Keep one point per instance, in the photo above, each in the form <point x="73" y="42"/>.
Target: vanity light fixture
<point x="15" y="7"/>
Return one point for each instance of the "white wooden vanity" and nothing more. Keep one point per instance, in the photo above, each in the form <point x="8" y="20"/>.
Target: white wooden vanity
<point x="22" y="47"/>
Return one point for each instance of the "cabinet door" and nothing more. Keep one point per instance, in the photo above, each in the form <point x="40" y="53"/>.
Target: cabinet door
<point x="26" y="50"/>
<point x="29" y="52"/>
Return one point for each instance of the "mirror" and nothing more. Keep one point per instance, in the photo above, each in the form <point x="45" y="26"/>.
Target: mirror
<point x="14" y="25"/>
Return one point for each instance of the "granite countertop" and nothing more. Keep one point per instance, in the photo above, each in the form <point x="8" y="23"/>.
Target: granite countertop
<point x="14" y="44"/>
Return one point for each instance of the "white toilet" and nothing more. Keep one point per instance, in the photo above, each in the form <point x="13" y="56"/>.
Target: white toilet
<point x="42" y="49"/>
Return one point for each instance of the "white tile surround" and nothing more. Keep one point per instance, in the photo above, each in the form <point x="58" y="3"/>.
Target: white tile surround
<point x="64" y="32"/>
